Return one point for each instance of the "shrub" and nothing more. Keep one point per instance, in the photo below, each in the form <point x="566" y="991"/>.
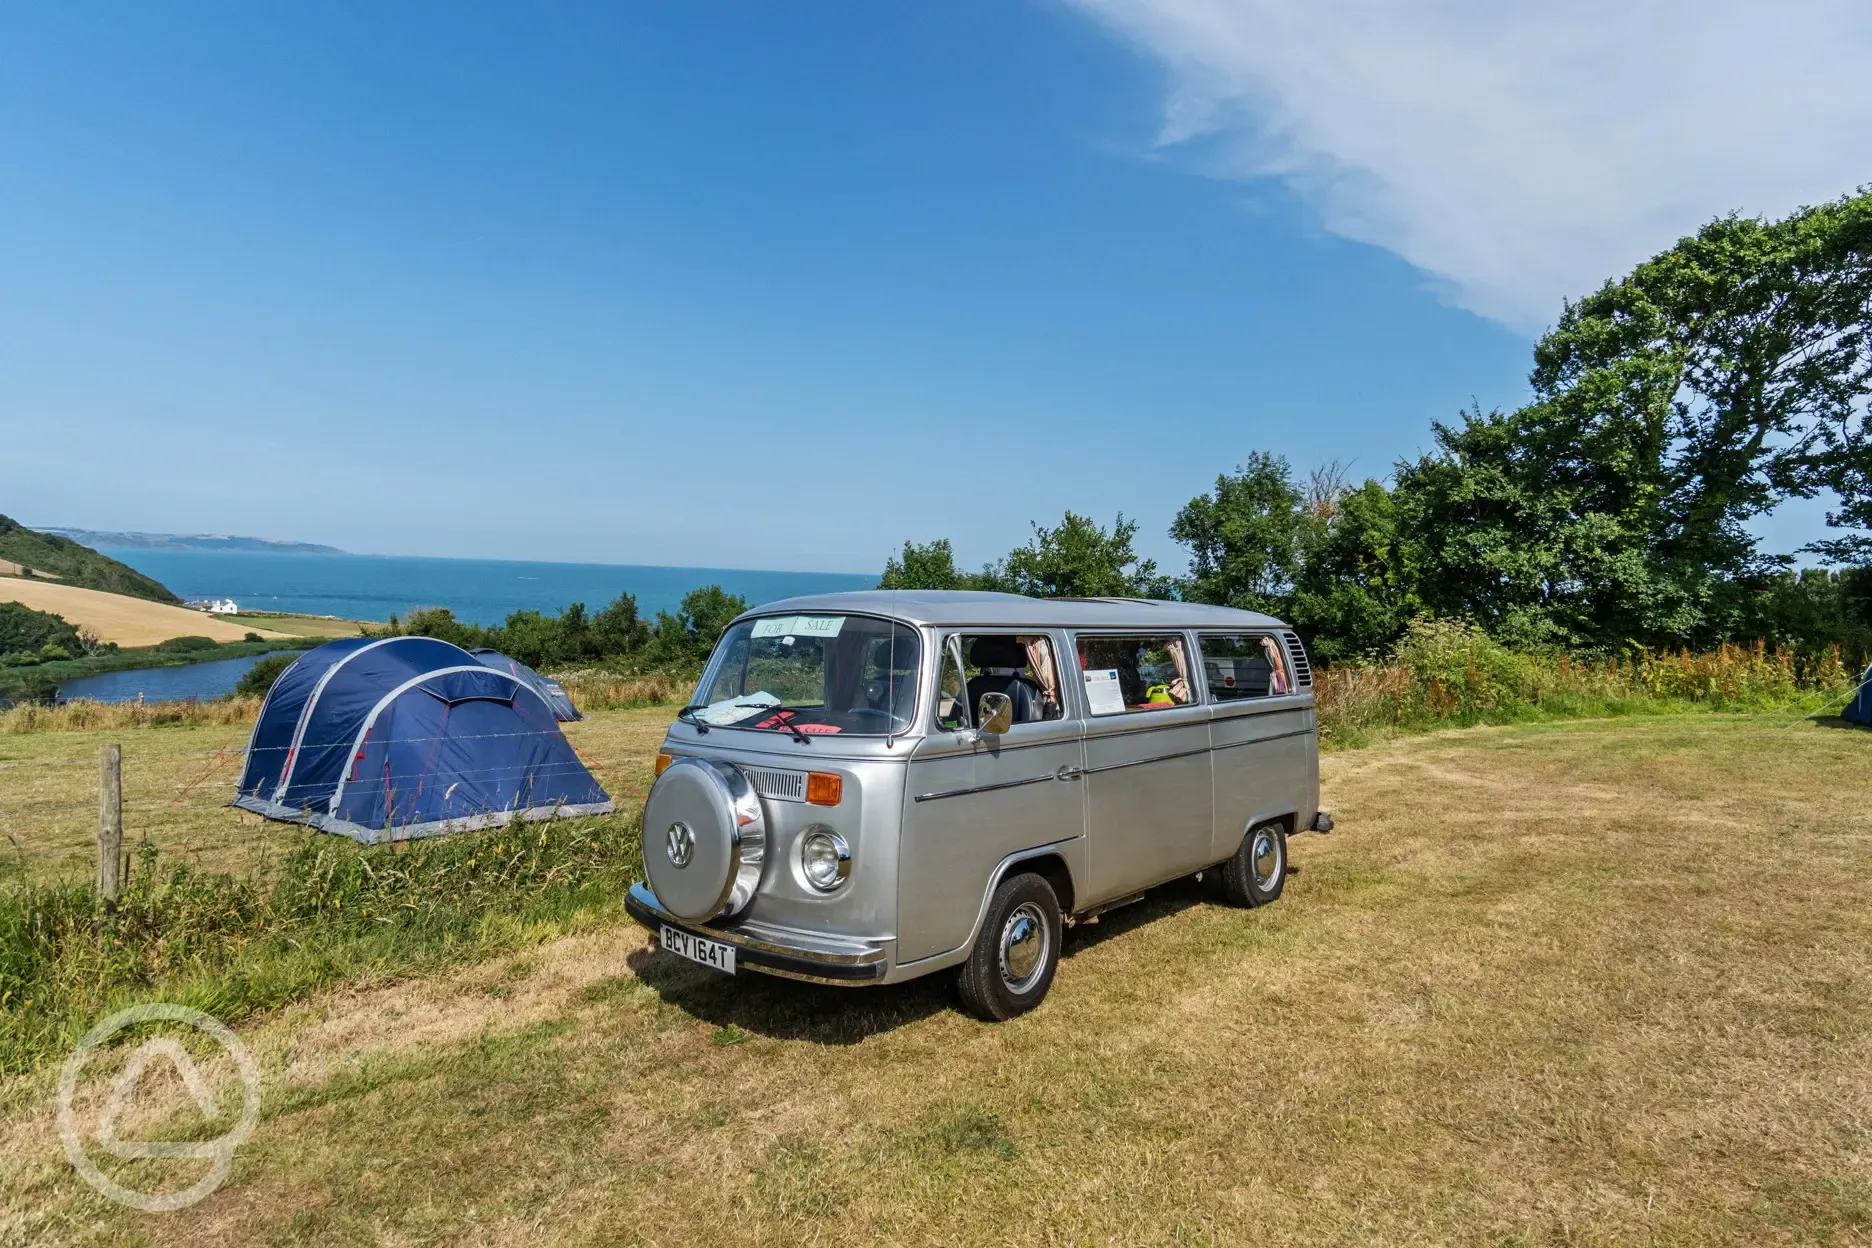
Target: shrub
<point x="52" y="652"/>
<point x="24" y="630"/>
<point x="187" y="645"/>
<point x="32" y="689"/>
<point x="250" y="637"/>
<point x="259" y="678"/>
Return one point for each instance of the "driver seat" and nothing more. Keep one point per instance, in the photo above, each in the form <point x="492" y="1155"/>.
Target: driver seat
<point x="1027" y="694"/>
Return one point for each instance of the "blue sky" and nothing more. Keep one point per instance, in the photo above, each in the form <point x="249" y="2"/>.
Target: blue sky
<point x="754" y="285"/>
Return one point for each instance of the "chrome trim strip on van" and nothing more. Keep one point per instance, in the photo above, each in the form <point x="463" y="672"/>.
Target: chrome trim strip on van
<point x="989" y="788"/>
<point x="1279" y="736"/>
<point x="1158" y="758"/>
<point x="1245" y="708"/>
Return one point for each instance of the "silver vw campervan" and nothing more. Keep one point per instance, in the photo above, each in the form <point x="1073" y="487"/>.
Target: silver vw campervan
<point x="875" y="786"/>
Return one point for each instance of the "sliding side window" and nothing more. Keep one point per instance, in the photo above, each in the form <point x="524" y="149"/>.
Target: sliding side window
<point x="1129" y="674"/>
<point x="1242" y="666"/>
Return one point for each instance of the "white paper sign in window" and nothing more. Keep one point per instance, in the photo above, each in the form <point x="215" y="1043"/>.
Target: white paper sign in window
<point x="1103" y="693"/>
<point x="799" y="626"/>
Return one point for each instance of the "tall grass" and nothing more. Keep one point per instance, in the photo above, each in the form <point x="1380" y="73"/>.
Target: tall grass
<point x="86" y="716"/>
<point x="595" y="689"/>
<point x="1446" y="672"/>
<point x="331" y="910"/>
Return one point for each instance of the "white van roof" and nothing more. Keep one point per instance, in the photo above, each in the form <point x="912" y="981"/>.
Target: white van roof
<point x="949" y="607"/>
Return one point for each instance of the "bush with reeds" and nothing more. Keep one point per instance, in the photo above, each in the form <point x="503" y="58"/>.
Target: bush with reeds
<point x="1451" y="672"/>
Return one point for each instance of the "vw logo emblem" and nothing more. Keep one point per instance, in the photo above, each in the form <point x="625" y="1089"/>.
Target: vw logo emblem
<point x="679" y="841"/>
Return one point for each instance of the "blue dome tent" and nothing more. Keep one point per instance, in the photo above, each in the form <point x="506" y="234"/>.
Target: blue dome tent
<point x="1859" y="706"/>
<point x="548" y="688"/>
<point x="396" y="737"/>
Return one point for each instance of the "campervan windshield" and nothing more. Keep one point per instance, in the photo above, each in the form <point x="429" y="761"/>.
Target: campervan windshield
<point x="818" y="674"/>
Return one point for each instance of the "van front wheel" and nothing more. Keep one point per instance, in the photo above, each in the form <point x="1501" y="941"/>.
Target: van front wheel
<point x="1011" y="966"/>
<point x="1258" y="871"/>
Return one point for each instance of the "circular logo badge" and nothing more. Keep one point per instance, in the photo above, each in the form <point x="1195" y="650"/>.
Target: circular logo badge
<point x="218" y="1152"/>
<point x="679" y="843"/>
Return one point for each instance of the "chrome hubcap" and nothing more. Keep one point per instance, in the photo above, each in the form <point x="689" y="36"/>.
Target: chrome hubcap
<point x="1266" y="858"/>
<point x="1024" y="941"/>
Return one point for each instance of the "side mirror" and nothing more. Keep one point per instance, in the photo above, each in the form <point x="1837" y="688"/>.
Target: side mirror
<point x="996" y="713"/>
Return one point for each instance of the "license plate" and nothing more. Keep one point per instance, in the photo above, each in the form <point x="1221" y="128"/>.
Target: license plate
<point x="710" y="953"/>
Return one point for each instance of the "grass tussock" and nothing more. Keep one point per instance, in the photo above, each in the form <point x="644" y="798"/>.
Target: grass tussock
<point x="85" y="716"/>
<point x="1447" y="673"/>
<point x="331" y="910"/>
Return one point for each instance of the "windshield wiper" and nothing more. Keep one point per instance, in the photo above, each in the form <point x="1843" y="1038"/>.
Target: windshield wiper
<point x="688" y="716"/>
<point x="777" y="709"/>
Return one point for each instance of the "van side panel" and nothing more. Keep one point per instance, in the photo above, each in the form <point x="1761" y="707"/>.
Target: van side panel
<point x="965" y="809"/>
<point x="1265" y="764"/>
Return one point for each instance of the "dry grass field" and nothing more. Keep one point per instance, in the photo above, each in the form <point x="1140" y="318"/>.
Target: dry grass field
<point x="1571" y="983"/>
<point x="125" y="620"/>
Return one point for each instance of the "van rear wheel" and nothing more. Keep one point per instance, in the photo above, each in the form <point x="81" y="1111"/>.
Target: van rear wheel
<point x="1258" y="871"/>
<point x="1016" y="952"/>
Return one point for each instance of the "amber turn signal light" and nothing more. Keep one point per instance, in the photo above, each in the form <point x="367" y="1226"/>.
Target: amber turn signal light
<point x="663" y="762"/>
<point x="823" y="788"/>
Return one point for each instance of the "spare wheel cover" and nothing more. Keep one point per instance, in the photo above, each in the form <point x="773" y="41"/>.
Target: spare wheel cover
<point x="704" y="839"/>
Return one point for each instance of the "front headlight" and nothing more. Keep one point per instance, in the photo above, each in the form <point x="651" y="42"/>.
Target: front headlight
<point x="825" y="859"/>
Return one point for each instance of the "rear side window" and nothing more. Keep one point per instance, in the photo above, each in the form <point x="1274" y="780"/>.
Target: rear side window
<point x="1241" y="666"/>
<point x="1129" y="674"/>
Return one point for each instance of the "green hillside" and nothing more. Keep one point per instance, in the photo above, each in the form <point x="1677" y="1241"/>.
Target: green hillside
<point x="73" y="564"/>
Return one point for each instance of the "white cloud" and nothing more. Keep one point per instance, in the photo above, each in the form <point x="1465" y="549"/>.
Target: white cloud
<point x="1520" y="152"/>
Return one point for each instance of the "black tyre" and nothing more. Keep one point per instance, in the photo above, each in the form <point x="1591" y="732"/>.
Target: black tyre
<point x="1011" y="966"/>
<point x="1258" y="871"/>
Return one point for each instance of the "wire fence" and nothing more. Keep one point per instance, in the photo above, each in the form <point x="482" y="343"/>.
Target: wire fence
<point x="181" y="800"/>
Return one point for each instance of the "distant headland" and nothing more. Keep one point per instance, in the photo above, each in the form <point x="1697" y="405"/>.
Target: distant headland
<point x="193" y="541"/>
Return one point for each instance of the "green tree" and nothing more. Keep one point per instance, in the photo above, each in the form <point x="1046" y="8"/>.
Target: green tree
<point x="932" y="566"/>
<point x="1354" y="594"/>
<point x="685" y="638"/>
<point x="1080" y="559"/>
<point x="1248" y="538"/>
<point x="618" y="629"/>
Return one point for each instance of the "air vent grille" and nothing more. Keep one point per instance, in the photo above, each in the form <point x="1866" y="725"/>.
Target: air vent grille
<point x="782" y="786"/>
<point x="1303" y="670"/>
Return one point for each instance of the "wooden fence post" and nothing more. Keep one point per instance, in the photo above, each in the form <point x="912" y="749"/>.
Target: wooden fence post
<point x="110" y="824"/>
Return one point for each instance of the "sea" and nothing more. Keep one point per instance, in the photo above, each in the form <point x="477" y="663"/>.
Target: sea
<point x="375" y="587"/>
<point x="479" y="591"/>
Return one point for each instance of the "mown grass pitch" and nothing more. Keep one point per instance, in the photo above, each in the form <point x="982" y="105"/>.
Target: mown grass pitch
<point x="1564" y="983"/>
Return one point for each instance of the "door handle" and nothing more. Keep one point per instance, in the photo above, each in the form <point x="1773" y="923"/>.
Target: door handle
<point x="1069" y="772"/>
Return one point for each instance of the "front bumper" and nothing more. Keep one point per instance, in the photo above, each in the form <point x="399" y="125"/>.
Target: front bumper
<point x="784" y="951"/>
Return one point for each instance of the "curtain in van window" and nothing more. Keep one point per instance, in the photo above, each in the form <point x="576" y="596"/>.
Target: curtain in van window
<point x="1040" y="662"/>
<point x="1182" y="665"/>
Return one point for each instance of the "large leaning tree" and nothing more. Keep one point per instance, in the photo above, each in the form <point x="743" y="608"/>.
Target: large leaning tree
<point x="1671" y="407"/>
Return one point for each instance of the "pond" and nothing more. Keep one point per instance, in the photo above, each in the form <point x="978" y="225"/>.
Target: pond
<point x="163" y="684"/>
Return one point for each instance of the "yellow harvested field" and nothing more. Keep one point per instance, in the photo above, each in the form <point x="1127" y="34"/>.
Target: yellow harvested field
<point x="124" y="620"/>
